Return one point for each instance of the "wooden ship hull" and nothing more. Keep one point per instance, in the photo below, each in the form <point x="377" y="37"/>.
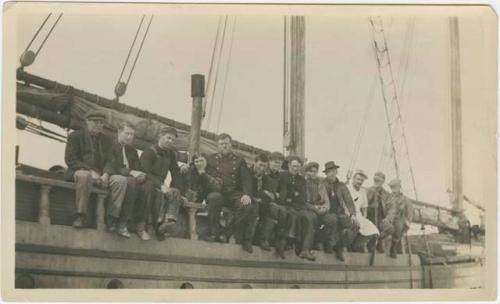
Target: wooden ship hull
<point x="52" y="254"/>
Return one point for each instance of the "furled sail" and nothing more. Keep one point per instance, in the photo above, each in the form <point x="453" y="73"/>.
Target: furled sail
<point x="66" y="106"/>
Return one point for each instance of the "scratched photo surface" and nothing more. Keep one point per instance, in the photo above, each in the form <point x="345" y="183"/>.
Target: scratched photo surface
<point x="232" y="147"/>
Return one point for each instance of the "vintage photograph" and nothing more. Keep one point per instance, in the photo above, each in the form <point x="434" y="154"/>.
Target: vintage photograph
<point x="181" y="148"/>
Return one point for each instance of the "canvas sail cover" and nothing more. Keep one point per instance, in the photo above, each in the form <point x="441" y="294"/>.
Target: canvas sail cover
<point x="67" y="107"/>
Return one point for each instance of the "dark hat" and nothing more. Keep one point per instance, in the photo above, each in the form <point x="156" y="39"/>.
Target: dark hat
<point x="330" y="165"/>
<point x="95" y="115"/>
<point x="168" y="130"/>
<point x="395" y="182"/>
<point x="379" y="174"/>
<point x="276" y="155"/>
<point x="311" y="165"/>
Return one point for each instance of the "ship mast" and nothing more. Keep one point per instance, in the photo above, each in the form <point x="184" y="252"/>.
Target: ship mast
<point x="294" y="86"/>
<point x="456" y="117"/>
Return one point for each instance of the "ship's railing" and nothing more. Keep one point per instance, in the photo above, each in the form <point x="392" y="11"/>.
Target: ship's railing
<point x="48" y="184"/>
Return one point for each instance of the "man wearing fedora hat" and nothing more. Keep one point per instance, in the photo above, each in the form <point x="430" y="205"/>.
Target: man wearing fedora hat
<point x="398" y="218"/>
<point x="87" y="152"/>
<point x="161" y="202"/>
<point x="342" y="207"/>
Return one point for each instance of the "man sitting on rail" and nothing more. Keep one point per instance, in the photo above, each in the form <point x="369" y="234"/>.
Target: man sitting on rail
<point x="398" y="218"/>
<point x="196" y="183"/>
<point x="125" y="173"/>
<point x="367" y="230"/>
<point x="377" y="196"/>
<point x="236" y="189"/>
<point x="342" y="207"/>
<point x="269" y="215"/>
<point x="161" y="202"/>
<point x="299" y="220"/>
<point x="87" y="151"/>
<point x="318" y="204"/>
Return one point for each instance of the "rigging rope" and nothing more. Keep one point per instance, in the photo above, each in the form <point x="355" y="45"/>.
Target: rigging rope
<point x="38" y="32"/>
<point x="140" y="49"/>
<point x="362" y="128"/>
<point x="121" y="86"/>
<point x="131" y="47"/>
<point x="209" y="78"/>
<point x="225" y="76"/>
<point x="394" y="99"/>
<point x="28" y="57"/>
<point x="216" y="75"/>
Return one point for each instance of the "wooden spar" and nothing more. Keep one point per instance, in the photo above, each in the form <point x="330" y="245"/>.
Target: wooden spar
<point x="197" y="92"/>
<point x="297" y="86"/>
<point x="456" y="116"/>
<point x="55" y="87"/>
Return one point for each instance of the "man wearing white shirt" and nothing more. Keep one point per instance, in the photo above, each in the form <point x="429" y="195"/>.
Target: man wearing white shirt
<point x="126" y="176"/>
<point x="366" y="228"/>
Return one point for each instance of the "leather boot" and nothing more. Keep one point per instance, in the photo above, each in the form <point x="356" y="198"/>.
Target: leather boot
<point x="247" y="246"/>
<point x="280" y="248"/>
<point x="393" y="253"/>
<point x="380" y="245"/>
<point x="264" y="245"/>
<point x="79" y="221"/>
<point x="306" y="254"/>
<point x="339" y="253"/>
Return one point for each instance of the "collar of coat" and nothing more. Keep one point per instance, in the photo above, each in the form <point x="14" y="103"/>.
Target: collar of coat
<point x="230" y="155"/>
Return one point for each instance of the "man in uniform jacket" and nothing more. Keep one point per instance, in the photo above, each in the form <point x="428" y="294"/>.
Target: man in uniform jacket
<point x="293" y="195"/>
<point x="125" y="179"/>
<point x="87" y="151"/>
<point x="398" y="218"/>
<point x="342" y="207"/>
<point x="161" y="202"/>
<point x="236" y="191"/>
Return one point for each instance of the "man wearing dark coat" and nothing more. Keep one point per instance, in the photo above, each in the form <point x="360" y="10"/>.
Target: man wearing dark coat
<point x="398" y="218"/>
<point x="161" y="202"/>
<point x="342" y="207"/>
<point x="318" y="205"/>
<point x="293" y="195"/>
<point x="87" y="152"/>
<point x="236" y="191"/>
<point x="377" y="197"/>
<point x="124" y="169"/>
<point x="196" y="183"/>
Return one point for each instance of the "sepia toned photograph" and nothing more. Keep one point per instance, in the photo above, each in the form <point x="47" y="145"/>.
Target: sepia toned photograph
<point x="232" y="147"/>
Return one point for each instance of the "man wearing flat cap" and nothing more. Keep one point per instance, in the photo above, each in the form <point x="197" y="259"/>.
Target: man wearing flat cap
<point x="342" y="207"/>
<point x="398" y="218"/>
<point x="161" y="202"/>
<point x="87" y="152"/>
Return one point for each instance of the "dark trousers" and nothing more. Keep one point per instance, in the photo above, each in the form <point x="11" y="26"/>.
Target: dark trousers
<point x="396" y="228"/>
<point x="133" y="193"/>
<point x="245" y="216"/>
<point x="274" y="217"/>
<point x="345" y="231"/>
<point x="157" y="206"/>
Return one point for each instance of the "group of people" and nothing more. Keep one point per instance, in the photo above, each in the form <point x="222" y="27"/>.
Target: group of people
<point x="276" y="202"/>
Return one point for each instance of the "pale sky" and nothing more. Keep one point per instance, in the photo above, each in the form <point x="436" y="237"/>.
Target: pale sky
<point x="88" y="51"/>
